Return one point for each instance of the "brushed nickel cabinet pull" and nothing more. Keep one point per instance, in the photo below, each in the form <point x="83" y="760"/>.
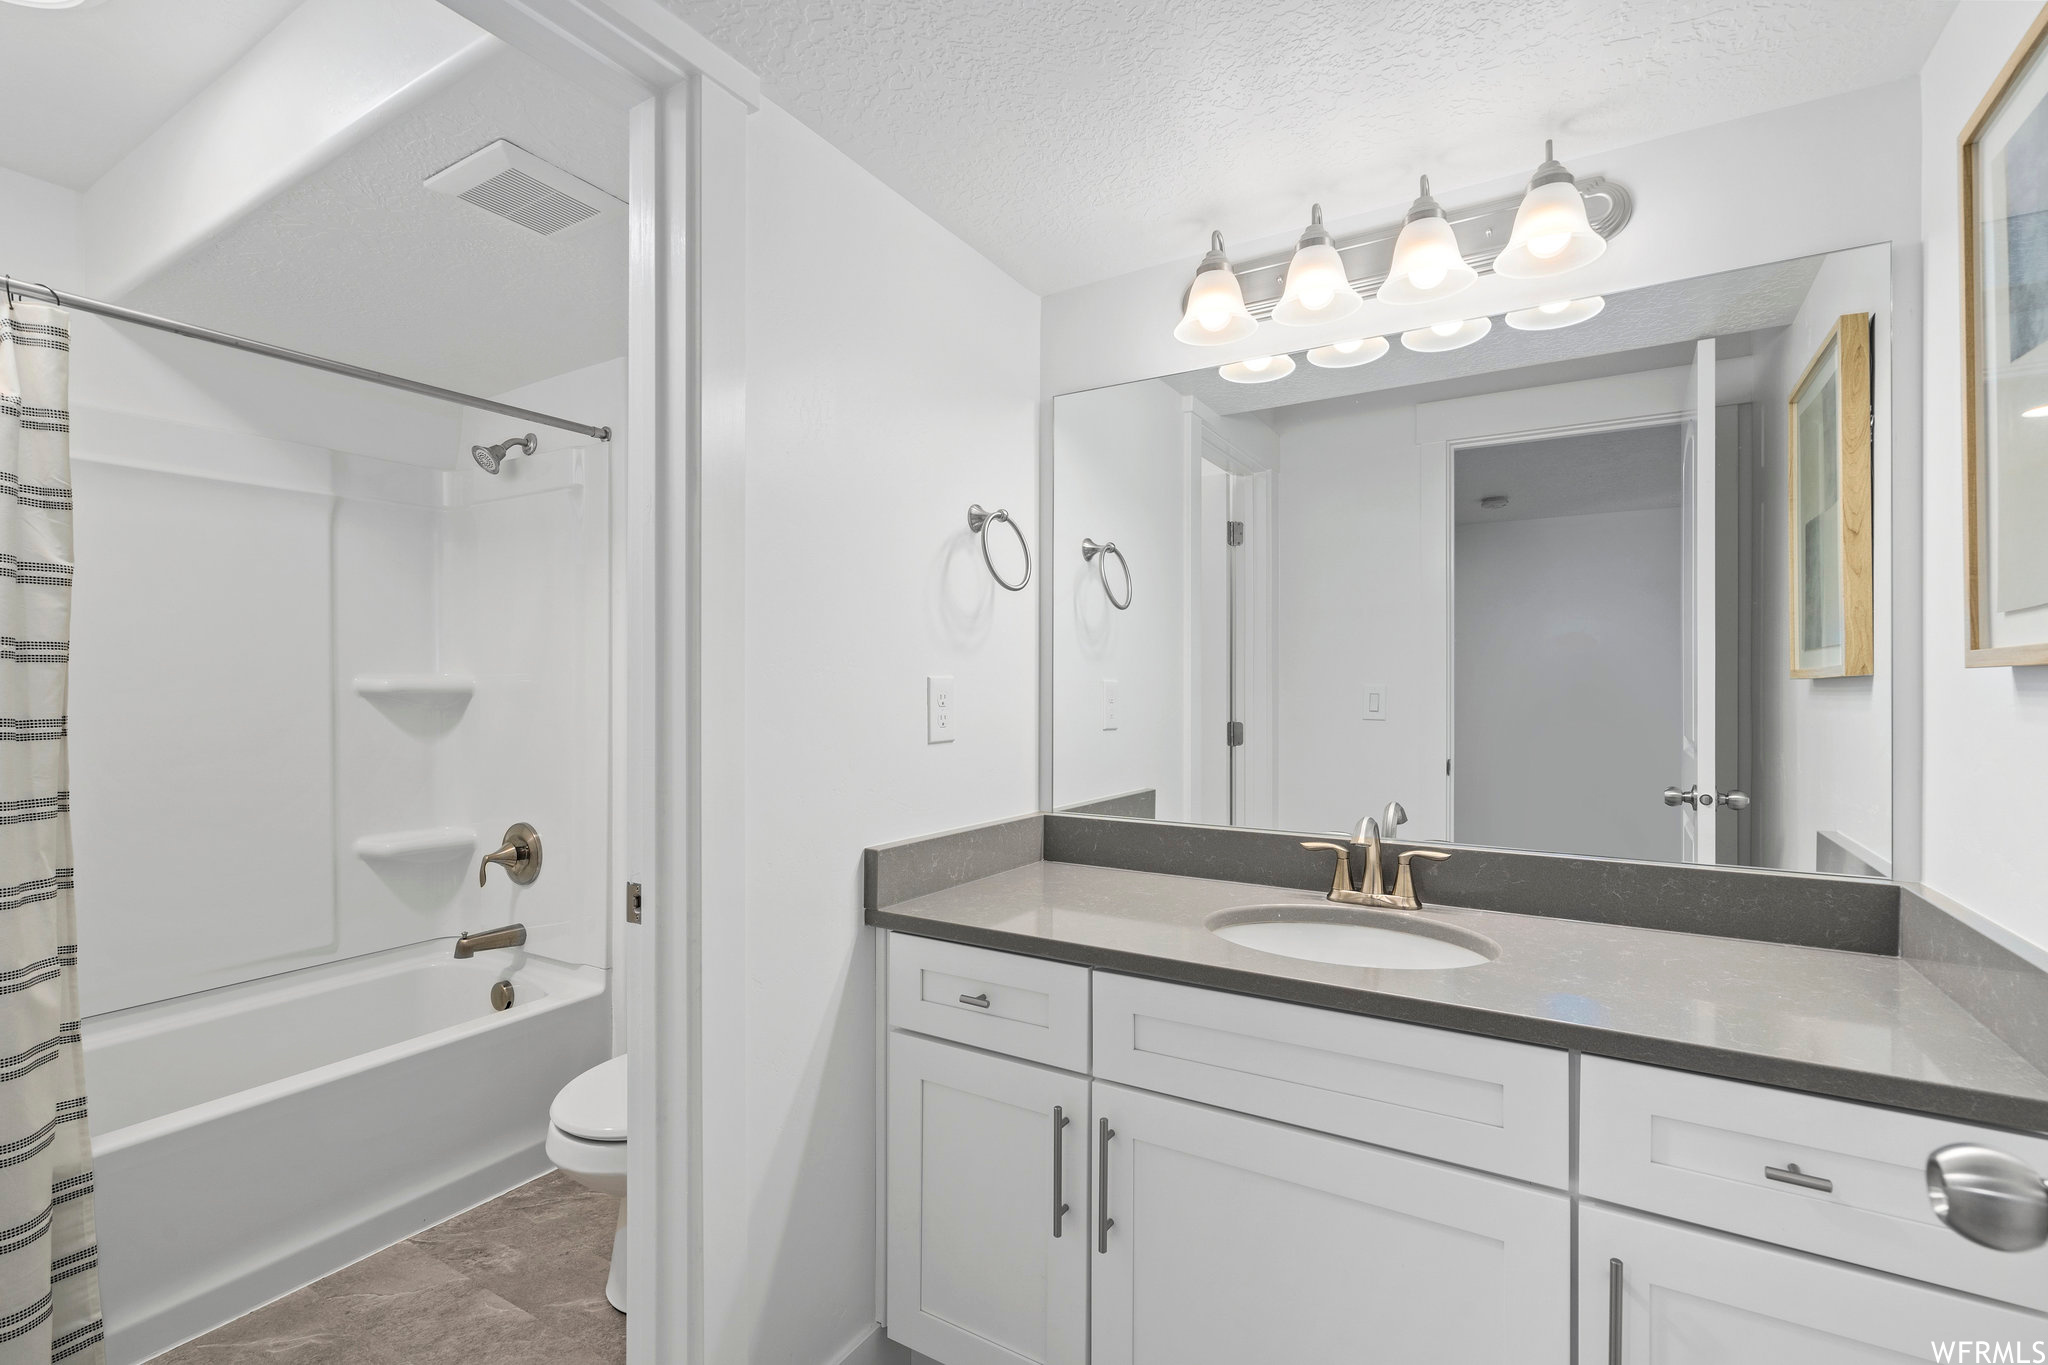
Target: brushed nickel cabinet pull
<point x="1103" y="1222"/>
<point x="1059" y="1169"/>
<point x="1614" y="1290"/>
<point x="1790" y="1174"/>
<point x="979" y="1002"/>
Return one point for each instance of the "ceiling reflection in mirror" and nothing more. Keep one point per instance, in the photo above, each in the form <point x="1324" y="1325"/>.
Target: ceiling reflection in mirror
<point x="1535" y="592"/>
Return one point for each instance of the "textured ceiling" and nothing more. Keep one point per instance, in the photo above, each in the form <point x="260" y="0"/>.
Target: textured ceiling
<point x="1636" y="321"/>
<point x="1071" y="140"/>
<point x="1573" y="476"/>
<point x="362" y="263"/>
<point x="85" y="85"/>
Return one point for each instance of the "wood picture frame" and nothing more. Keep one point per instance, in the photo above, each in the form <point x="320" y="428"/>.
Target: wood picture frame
<point x="1829" y="548"/>
<point x="1988" y="467"/>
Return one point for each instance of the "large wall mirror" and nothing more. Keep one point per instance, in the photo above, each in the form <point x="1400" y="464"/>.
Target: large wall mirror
<point x="1621" y="588"/>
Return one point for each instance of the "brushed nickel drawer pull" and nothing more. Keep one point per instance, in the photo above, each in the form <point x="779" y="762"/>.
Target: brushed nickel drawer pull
<point x="1059" y="1168"/>
<point x="1103" y="1221"/>
<point x="979" y="1002"/>
<point x="1790" y="1174"/>
<point x="1614" y="1289"/>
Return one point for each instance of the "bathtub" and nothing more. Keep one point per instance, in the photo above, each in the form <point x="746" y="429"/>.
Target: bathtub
<point x="249" y="1140"/>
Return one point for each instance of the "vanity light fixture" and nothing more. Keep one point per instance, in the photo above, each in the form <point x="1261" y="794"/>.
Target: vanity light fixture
<point x="1447" y="336"/>
<point x="1547" y="317"/>
<point x="1427" y="263"/>
<point x="2041" y="411"/>
<point x="1215" y="314"/>
<point x="1260" y="369"/>
<point x="1317" y="288"/>
<point x="1551" y="234"/>
<point x="1342" y="355"/>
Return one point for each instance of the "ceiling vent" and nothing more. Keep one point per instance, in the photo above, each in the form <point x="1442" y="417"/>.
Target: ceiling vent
<point x="521" y="188"/>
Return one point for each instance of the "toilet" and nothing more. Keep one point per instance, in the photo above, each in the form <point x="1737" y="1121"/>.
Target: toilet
<point x="587" y="1141"/>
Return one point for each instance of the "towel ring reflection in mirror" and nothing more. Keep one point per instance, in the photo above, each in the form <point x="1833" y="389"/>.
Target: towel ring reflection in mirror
<point x="977" y="522"/>
<point x="1099" y="555"/>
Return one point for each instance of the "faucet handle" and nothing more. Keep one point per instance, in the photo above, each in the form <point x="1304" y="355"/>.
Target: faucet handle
<point x="1342" y="881"/>
<point x="520" y="856"/>
<point x="1404" y="880"/>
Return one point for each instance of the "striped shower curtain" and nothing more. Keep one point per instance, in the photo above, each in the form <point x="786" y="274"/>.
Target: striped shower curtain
<point x="49" y="1259"/>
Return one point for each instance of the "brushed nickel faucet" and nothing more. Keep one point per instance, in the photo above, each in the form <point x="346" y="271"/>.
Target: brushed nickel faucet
<point x="1373" y="889"/>
<point x="509" y="936"/>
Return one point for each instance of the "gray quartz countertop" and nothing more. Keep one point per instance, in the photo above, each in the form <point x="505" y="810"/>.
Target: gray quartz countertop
<point x="1858" y="1026"/>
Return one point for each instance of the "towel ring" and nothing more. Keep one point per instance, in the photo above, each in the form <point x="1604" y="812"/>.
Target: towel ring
<point x="1100" y="554"/>
<point x="977" y="522"/>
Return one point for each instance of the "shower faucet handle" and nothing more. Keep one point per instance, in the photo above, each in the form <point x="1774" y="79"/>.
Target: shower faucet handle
<point x="520" y="856"/>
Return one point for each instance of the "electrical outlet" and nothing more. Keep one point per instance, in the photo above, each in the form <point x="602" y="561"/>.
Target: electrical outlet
<point x="1375" y="701"/>
<point x="1109" y="703"/>
<point x="938" y="710"/>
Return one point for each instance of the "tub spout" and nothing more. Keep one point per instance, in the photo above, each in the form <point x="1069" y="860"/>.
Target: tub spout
<point x="510" y="936"/>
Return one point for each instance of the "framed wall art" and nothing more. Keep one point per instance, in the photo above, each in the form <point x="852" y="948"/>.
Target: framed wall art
<point x="1828" y="448"/>
<point x="2004" y="166"/>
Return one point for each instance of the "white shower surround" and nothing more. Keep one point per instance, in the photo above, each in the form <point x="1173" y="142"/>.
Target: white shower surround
<point x="255" y="1138"/>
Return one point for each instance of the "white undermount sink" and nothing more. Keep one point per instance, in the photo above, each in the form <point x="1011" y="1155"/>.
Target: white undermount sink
<point x="1352" y="938"/>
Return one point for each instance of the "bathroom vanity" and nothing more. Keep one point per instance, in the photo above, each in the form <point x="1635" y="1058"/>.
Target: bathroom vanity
<point x="1114" y="1135"/>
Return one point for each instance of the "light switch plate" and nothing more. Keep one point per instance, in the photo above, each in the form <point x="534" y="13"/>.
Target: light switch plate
<point x="1109" y="703"/>
<point x="939" y="720"/>
<point x="1375" y="701"/>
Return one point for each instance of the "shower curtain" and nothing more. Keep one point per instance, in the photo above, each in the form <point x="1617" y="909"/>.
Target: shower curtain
<point x="49" y="1261"/>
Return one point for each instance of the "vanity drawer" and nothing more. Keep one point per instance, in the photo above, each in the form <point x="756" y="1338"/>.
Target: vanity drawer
<point x="1023" y="1006"/>
<point x="1705" y="1150"/>
<point x="1478" y="1102"/>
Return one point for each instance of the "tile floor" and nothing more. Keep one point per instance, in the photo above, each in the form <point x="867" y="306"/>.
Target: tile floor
<point x="517" y="1281"/>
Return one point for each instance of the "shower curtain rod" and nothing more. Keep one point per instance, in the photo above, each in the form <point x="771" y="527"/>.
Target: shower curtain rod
<point x="43" y="293"/>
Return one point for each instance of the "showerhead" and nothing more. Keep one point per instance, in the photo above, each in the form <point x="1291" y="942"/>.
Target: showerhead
<point x="490" y="458"/>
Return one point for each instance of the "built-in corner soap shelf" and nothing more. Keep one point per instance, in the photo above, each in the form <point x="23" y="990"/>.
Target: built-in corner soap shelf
<point x="443" y="843"/>
<point x="416" y="685"/>
<point x="422" y="703"/>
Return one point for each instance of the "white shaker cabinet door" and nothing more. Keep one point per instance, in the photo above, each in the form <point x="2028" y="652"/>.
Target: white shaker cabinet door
<point x="983" y="1268"/>
<point x="1690" y="1297"/>
<point x="1225" y="1240"/>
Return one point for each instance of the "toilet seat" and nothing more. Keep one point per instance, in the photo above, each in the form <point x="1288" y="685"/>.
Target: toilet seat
<point x="593" y="1106"/>
<point x="600" y="1166"/>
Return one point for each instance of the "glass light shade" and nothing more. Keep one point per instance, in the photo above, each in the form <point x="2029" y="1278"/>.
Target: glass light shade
<point x="2041" y="411"/>
<point x="1317" y="289"/>
<point x="1260" y="369"/>
<point x="1215" y="314"/>
<point x="1447" y="336"/>
<point x="1551" y="234"/>
<point x="1343" y="355"/>
<point x="1427" y="264"/>
<point x="1548" y="317"/>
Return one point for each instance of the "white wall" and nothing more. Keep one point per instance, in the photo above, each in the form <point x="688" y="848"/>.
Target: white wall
<point x="1986" y="728"/>
<point x="1823" y="745"/>
<point x="1119" y="474"/>
<point x="1568" y="682"/>
<point x="873" y="421"/>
